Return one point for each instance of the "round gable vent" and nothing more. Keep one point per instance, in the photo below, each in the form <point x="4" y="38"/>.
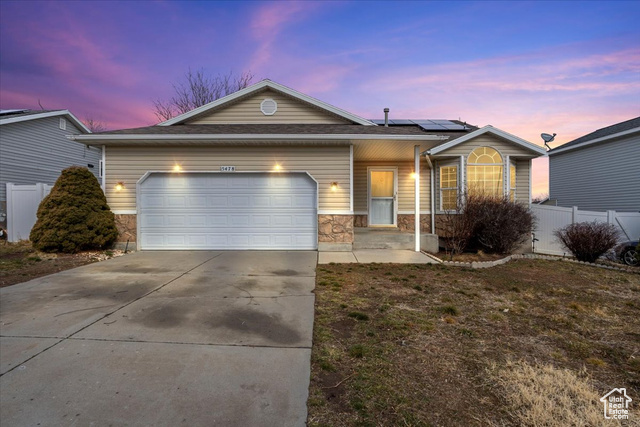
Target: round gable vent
<point x="268" y="107"/>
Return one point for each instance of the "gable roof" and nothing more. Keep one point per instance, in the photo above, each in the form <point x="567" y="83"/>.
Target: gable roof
<point x="258" y="87"/>
<point x="487" y="129"/>
<point x="604" y="134"/>
<point x="15" y="116"/>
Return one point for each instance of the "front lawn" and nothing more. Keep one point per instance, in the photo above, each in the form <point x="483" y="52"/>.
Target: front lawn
<point x="20" y="262"/>
<point x="531" y="342"/>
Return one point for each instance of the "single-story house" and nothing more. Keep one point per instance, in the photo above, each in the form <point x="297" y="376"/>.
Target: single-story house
<point x="580" y="170"/>
<point x="268" y="167"/>
<point x="34" y="148"/>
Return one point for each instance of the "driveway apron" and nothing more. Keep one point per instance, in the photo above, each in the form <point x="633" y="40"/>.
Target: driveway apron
<point x="161" y="338"/>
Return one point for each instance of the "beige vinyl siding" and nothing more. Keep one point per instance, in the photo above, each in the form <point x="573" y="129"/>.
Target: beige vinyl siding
<point x="325" y="164"/>
<point x="523" y="185"/>
<point x="406" y="185"/>
<point x="248" y="111"/>
<point x="504" y="148"/>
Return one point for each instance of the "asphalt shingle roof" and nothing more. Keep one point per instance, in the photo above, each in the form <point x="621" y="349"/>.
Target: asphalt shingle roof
<point x="5" y="114"/>
<point x="270" y="129"/>
<point x="600" y="133"/>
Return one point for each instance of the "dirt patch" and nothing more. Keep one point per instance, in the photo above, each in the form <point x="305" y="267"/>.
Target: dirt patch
<point x="19" y="262"/>
<point x="423" y="344"/>
<point x="470" y="257"/>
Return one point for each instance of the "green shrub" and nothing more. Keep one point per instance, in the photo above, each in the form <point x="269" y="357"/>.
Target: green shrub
<point x="587" y="241"/>
<point x="74" y="216"/>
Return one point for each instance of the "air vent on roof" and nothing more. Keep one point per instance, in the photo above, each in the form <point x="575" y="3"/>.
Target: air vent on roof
<point x="268" y="107"/>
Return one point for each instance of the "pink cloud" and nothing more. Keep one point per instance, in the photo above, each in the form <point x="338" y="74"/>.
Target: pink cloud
<point x="269" y="21"/>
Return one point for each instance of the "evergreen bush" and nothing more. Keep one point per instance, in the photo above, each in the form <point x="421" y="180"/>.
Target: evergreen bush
<point x="74" y="216"/>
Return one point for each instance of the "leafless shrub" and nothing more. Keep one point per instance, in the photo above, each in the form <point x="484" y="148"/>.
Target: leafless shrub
<point x="500" y="225"/>
<point x="456" y="228"/>
<point x="587" y="241"/>
<point x="491" y="223"/>
<point x="198" y="89"/>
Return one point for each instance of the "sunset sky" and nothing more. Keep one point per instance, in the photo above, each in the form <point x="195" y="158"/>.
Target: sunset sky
<point x="525" y="67"/>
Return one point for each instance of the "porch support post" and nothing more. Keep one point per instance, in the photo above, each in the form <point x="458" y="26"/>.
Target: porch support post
<point x="351" y="179"/>
<point x="416" y="170"/>
<point x="432" y="194"/>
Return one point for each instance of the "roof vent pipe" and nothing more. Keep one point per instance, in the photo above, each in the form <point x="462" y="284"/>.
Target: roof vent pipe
<point x="386" y="117"/>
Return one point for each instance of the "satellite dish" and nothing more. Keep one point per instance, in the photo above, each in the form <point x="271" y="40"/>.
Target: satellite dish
<point x="547" y="139"/>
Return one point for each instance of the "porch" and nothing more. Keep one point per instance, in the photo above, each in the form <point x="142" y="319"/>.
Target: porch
<point x="392" y="238"/>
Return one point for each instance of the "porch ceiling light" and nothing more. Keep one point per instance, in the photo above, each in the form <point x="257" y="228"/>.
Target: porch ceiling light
<point x="334" y="186"/>
<point x="119" y="186"/>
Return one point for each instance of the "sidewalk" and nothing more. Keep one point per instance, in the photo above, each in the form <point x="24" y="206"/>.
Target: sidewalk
<point x="367" y="256"/>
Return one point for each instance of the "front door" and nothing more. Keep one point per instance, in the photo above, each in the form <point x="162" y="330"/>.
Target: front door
<point x="383" y="189"/>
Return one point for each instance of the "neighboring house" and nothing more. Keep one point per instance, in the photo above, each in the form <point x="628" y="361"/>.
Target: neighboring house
<point x="268" y="167"/>
<point x="34" y="148"/>
<point x="599" y="171"/>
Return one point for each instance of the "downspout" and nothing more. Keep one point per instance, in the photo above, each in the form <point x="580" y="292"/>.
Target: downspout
<point x="103" y="170"/>
<point x="416" y="171"/>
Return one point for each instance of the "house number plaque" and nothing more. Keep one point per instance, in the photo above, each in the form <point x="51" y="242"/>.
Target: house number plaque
<point x="227" y="168"/>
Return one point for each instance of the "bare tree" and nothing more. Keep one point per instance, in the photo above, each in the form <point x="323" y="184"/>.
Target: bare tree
<point x="198" y="89"/>
<point x="94" y="125"/>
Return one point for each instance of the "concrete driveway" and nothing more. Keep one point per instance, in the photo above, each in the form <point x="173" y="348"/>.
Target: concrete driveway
<point x="161" y="338"/>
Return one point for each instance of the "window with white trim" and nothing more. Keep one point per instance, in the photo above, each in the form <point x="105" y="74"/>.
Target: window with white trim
<point x="448" y="188"/>
<point x="63" y="123"/>
<point x="485" y="172"/>
<point x="512" y="182"/>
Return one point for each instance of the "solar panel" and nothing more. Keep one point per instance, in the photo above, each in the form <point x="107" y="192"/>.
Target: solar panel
<point x="426" y="124"/>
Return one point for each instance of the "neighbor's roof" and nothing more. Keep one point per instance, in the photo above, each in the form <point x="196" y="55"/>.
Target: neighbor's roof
<point x="600" y="135"/>
<point x="22" y="115"/>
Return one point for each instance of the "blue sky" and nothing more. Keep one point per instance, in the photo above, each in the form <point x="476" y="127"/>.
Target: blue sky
<point x="525" y="67"/>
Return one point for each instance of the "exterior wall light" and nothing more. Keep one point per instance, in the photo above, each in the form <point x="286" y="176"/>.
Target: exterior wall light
<point x="334" y="186"/>
<point x="413" y="175"/>
<point x="277" y="167"/>
<point x="177" y="168"/>
<point x="119" y="186"/>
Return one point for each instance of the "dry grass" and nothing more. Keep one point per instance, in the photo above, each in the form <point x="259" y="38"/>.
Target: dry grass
<point x="542" y="395"/>
<point x="415" y="345"/>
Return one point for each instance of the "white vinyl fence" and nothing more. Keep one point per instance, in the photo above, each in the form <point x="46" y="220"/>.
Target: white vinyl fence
<point x="22" y="206"/>
<point x="551" y="218"/>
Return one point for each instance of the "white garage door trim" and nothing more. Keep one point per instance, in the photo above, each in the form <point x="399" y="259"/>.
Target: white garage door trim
<point x="310" y="245"/>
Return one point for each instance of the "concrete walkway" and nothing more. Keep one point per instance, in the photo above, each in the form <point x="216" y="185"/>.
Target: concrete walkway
<point x="161" y="338"/>
<point x="366" y="256"/>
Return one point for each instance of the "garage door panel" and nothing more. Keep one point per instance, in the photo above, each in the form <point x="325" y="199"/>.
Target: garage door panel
<point x="226" y="211"/>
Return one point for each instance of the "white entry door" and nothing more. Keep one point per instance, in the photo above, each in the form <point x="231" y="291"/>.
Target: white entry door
<point x="228" y="211"/>
<point x="383" y="189"/>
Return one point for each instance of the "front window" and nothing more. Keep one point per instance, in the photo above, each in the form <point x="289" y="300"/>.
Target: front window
<point x="512" y="182"/>
<point x="485" y="172"/>
<point x="448" y="188"/>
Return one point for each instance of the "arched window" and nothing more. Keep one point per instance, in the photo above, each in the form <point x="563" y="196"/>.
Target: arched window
<point x="484" y="172"/>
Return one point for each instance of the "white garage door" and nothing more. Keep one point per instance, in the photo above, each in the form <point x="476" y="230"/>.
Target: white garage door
<point x="228" y="211"/>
